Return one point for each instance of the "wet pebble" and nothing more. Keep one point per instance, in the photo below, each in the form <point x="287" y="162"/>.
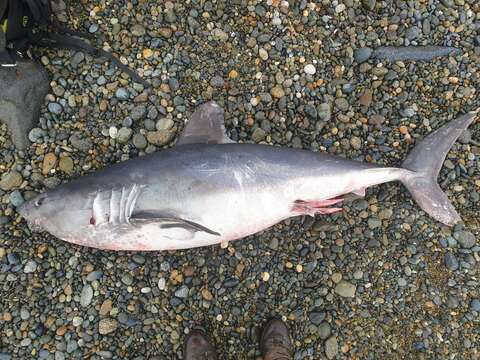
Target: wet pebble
<point x="30" y="267"/>
<point x="86" y="295"/>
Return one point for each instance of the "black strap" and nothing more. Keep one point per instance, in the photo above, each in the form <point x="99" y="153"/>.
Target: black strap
<point x="3" y="9"/>
<point x="35" y="9"/>
<point x="24" y="14"/>
<point x="59" y="41"/>
<point x="40" y="10"/>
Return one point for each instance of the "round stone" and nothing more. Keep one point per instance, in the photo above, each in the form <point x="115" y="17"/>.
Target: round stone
<point x="55" y="108"/>
<point x="139" y="141"/>
<point x="309" y="69"/>
<point x="30" y="267"/>
<point x="86" y="295"/>
<point x="345" y="289"/>
<point x="107" y="326"/>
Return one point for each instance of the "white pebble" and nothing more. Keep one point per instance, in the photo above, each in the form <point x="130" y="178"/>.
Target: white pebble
<point x="77" y="321"/>
<point x="30" y="267"/>
<point x="309" y="69"/>
<point x="340" y="8"/>
<point x="263" y="54"/>
<point x="113" y="132"/>
<point x="161" y="284"/>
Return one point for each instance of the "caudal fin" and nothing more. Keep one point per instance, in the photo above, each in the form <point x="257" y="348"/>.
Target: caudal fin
<point x="425" y="161"/>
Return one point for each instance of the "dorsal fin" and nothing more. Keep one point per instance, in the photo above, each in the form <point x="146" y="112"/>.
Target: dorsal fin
<point x="206" y="126"/>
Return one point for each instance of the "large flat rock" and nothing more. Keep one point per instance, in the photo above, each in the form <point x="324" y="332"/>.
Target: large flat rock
<point x="22" y="91"/>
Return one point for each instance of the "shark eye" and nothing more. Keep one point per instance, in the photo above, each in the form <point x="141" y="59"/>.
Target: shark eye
<point x="39" y="201"/>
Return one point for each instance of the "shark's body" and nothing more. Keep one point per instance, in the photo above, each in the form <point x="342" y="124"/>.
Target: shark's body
<point x="208" y="190"/>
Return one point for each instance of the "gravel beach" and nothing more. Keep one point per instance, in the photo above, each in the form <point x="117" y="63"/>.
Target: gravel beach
<point x="379" y="280"/>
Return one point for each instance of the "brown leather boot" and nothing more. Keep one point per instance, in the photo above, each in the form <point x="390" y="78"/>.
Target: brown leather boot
<point x="275" y="343"/>
<point x="197" y="346"/>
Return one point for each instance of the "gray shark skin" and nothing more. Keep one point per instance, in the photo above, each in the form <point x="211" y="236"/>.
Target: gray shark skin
<point x="208" y="190"/>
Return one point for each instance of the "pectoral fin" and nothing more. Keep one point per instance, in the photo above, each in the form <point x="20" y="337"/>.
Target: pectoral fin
<point x="167" y="221"/>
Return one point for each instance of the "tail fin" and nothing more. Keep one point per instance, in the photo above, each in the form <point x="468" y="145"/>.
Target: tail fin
<point x="425" y="161"/>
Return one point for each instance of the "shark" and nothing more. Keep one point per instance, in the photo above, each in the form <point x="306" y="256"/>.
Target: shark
<point x="208" y="189"/>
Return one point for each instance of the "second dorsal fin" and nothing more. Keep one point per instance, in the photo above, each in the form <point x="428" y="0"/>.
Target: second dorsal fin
<point x="206" y="126"/>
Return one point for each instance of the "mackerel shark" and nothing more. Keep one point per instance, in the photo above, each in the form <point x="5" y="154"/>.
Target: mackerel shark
<point x="208" y="190"/>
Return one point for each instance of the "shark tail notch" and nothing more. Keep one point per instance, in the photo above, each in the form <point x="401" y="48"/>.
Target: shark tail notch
<point x="425" y="162"/>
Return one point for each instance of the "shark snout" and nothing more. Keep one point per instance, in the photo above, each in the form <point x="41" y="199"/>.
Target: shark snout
<point x="22" y="209"/>
<point x="26" y="211"/>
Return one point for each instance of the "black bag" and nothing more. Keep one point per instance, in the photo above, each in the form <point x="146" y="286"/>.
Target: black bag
<point x="27" y="22"/>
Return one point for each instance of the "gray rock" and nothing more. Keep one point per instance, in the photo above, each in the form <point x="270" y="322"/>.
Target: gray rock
<point x="24" y="313"/>
<point x="164" y="124"/>
<point x="331" y="347"/>
<point x="124" y="134"/>
<point x="137" y="30"/>
<point x="5" y="356"/>
<point x="160" y="137"/>
<point x="36" y="134"/>
<point x="273" y="244"/>
<point x="342" y="104"/>
<point x="16" y="198"/>
<point x="101" y="80"/>
<point x="413" y="33"/>
<point x="127" y="279"/>
<point x="139" y="141"/>
<point x="122" y="94"/>
<point x="71" y="346"/>
<point x="170" y="16"/>
<point x="217" y="81"/>
<point x="475" y="305"/>
<point x="10" y="180"/>
<point x="345" y="289"/>
<point x="23" y="91"/>
<point x="30" y="267"/>
<point x="311" y="111"/>
<point x="374" y="223"/>
<point x="77" y="59"/>
<point x="465" y="238"/>
<point x="317" y="317"/>
<point x="182" y="292"/>
<point x="258" y="135"/>
<point x="408" y="112"/>
<point x="93" y="28"/>
<point x="324" y="112"/>
<point x="80" y="143"/>
<point x="55" y="108"/>
<point x="94" y="275"/>
<point x="86" y="295"/>
<point x="369" y="4"/>
<point x="138" y="112"/>
<point x="324" y="330"/>
<point x="451" y="261"/>
<point x="219" y="34"/>
<point x="362" y="54"/>
<point x="107" y="326"/>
